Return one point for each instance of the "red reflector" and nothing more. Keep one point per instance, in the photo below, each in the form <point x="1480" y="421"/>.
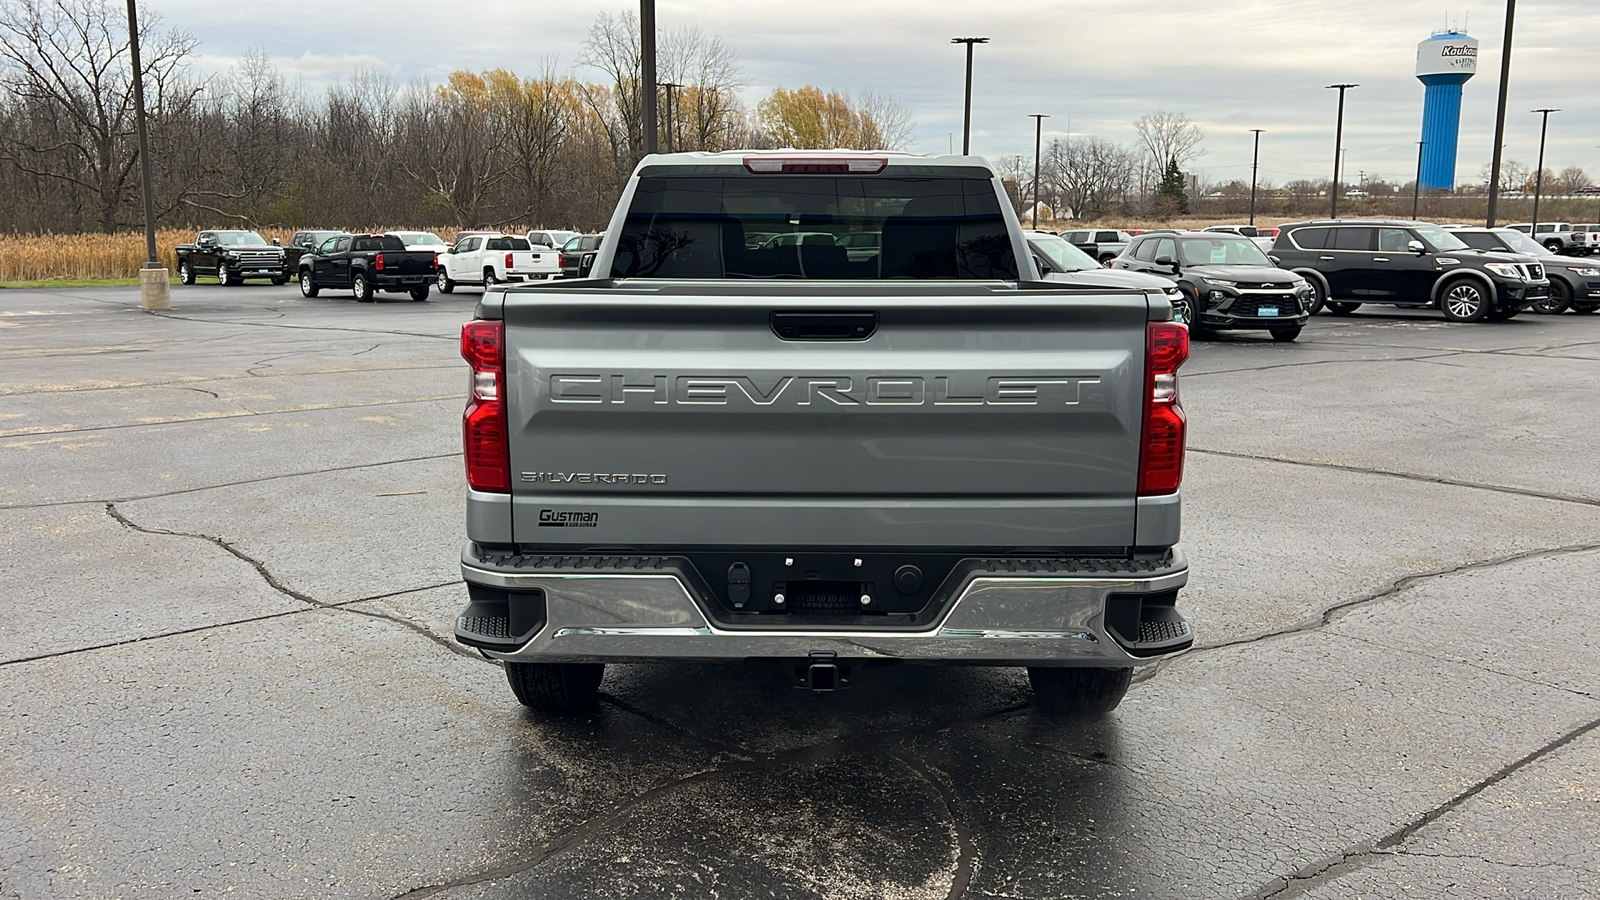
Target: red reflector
<point x="814" y="165"/>
<point x="378" y="263"/>
<point x="1165" y="428"/>
<point x="485" y="438"/>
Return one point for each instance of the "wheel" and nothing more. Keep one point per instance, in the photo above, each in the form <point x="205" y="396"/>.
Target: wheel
<point x="1184" y="307"/>
<point x="1503" y="315"/>
<point x="419" y="293"/>
<point x="185" y="274"/>
<point x="1285" y="333"/>
<point x="444" y="282"/>
<point x="1463" y="301"/>
<point x="1319" y="297"/>
<point x="224" y="277"/>
<point x="489" y="279"/>
<point x="280" y="279"/>
<point x="1106" y="261"/>
<point x="1342" y="308"/>
<point x="1559" y="301"/>
<point x="308" y="284"/>
<point x="1584" y="309"/>
<point x="361" y="287"/>
<point x="1079" y="692"/>
<point x="1553" y="246"/>
<point x="556" y="687"/>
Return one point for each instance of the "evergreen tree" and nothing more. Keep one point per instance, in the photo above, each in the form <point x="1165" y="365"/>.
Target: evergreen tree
<point x="1171" y="188"/>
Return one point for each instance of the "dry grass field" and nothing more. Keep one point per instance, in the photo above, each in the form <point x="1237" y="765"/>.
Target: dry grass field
<point x="94" y="257"/>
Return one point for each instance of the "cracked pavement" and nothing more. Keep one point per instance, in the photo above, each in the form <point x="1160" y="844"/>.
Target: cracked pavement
<point x="228" y="563"/>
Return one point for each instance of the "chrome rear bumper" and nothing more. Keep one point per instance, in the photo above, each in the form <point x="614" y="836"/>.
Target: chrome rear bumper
<point x="995" y="619"/>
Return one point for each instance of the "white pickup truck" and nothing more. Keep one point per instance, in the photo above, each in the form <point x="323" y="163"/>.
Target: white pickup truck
<point x="1560" y="237"/>
<point x="490" y="258"/>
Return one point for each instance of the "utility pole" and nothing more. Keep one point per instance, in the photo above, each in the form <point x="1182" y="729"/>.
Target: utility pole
<point x="1416" y="186"/>
<point x="672" y="128"/>
<point x="155" y="291"/>
<point x="1338" y="145"/>
<point x="1500" y="114"/>
<point x="1255" y="159"/>
<point x="1038" y="137"/>
<point x="966" y="115"/>
<point x="1538" y="175"/>
<point x="647" y="74"/>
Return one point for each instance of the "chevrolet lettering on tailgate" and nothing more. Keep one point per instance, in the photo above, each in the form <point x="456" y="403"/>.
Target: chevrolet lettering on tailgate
<point x="840" y="390"/>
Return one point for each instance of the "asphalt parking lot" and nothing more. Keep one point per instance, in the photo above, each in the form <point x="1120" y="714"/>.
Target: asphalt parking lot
<point x="228" y="561"/>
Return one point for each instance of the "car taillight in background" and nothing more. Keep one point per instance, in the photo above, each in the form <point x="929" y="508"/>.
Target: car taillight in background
<point x="378" y="263"/>
<point x="561" y="260"/>
<point x="485" y="439"/>
<point x="1161" y="444"/>
<point x="508" y="262"/>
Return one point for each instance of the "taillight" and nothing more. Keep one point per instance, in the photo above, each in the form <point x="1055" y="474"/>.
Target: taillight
<point x="436" y="260"/>
<point x="378" y="263"/>
<point x="485" y="439"/>
<point x="815" y="165"/>
<point x="561" y="260"/>
<point x="508" y="262"/>
<point x="1162" y="443"/>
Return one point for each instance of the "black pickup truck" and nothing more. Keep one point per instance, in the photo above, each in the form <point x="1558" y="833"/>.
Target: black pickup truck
<point x="231" y="256"/>
<point x="365" y="264"/>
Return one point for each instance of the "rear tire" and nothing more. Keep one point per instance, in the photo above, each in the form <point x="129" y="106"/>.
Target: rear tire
<point x="361" y="287"/>
<point x="444" y="282"/>
<point x="1285" y="333"/>
<point x="1342" y="308"/>
<point x="419" y="293"/>
<point x="308" y="284"/>
<point x="1553" y="246"/>
<point x="280" y="279"/>
<point x="1559" y="301"/>
<point x="555" y="687"/>
<point x="185" y="274"/>
<point x="489" y="279"/>
<point x="1078" y="692"/>
<point x="1319" y="296"/>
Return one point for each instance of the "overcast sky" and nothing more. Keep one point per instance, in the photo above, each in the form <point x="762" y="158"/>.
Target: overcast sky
<point x="1092" y="65"/>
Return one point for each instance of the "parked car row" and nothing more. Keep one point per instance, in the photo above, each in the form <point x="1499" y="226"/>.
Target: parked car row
<point x="410" y="262"/>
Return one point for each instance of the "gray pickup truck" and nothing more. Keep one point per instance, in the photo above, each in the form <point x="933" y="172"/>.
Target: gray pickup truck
<point x="713" y="451"/>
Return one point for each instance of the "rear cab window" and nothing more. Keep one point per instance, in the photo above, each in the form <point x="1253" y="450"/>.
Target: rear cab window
<point x="387" y="242"/>
<point x="929" y="226"/>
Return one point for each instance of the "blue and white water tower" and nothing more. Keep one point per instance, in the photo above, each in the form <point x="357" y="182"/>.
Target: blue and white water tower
<point x="1444" y="63"/>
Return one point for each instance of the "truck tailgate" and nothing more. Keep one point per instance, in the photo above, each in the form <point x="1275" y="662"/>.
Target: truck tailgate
<point x="534" y="262"/>
<point x="970" y="416"/>
<point x="411" y="262"/>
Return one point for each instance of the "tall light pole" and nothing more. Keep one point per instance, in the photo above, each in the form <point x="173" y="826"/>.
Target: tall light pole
<point x="1538" y="175"/>
<point x="1038" y="138"/>
<point x="672" y="130"/>
<point x="1416" y="186"/>
<point x="1500" y="114"/>
<point x="154" y="290"/>
<point x="1255" y="159"/>
<point x="647" y="72"/>
<point x="966" y="115"/>
<point x="1338" y="144"/>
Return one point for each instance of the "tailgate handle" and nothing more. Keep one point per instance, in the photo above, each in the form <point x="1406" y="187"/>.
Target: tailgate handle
<point x="829" y="326"/>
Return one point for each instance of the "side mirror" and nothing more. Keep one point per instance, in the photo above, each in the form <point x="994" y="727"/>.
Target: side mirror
<point x="1167" y="261"/>
<point x="1044" y="267"/>
<point x="1416" y="247"/>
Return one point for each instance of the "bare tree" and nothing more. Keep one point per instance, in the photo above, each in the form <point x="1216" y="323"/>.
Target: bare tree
<point x="1169" y="135"/>
<point x="69" y="62"/>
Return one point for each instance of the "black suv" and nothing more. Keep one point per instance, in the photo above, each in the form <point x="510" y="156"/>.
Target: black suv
<point x="1225" y="281"/>
<point x="1574" y="283"/>
<point x="1354" y="261"/>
